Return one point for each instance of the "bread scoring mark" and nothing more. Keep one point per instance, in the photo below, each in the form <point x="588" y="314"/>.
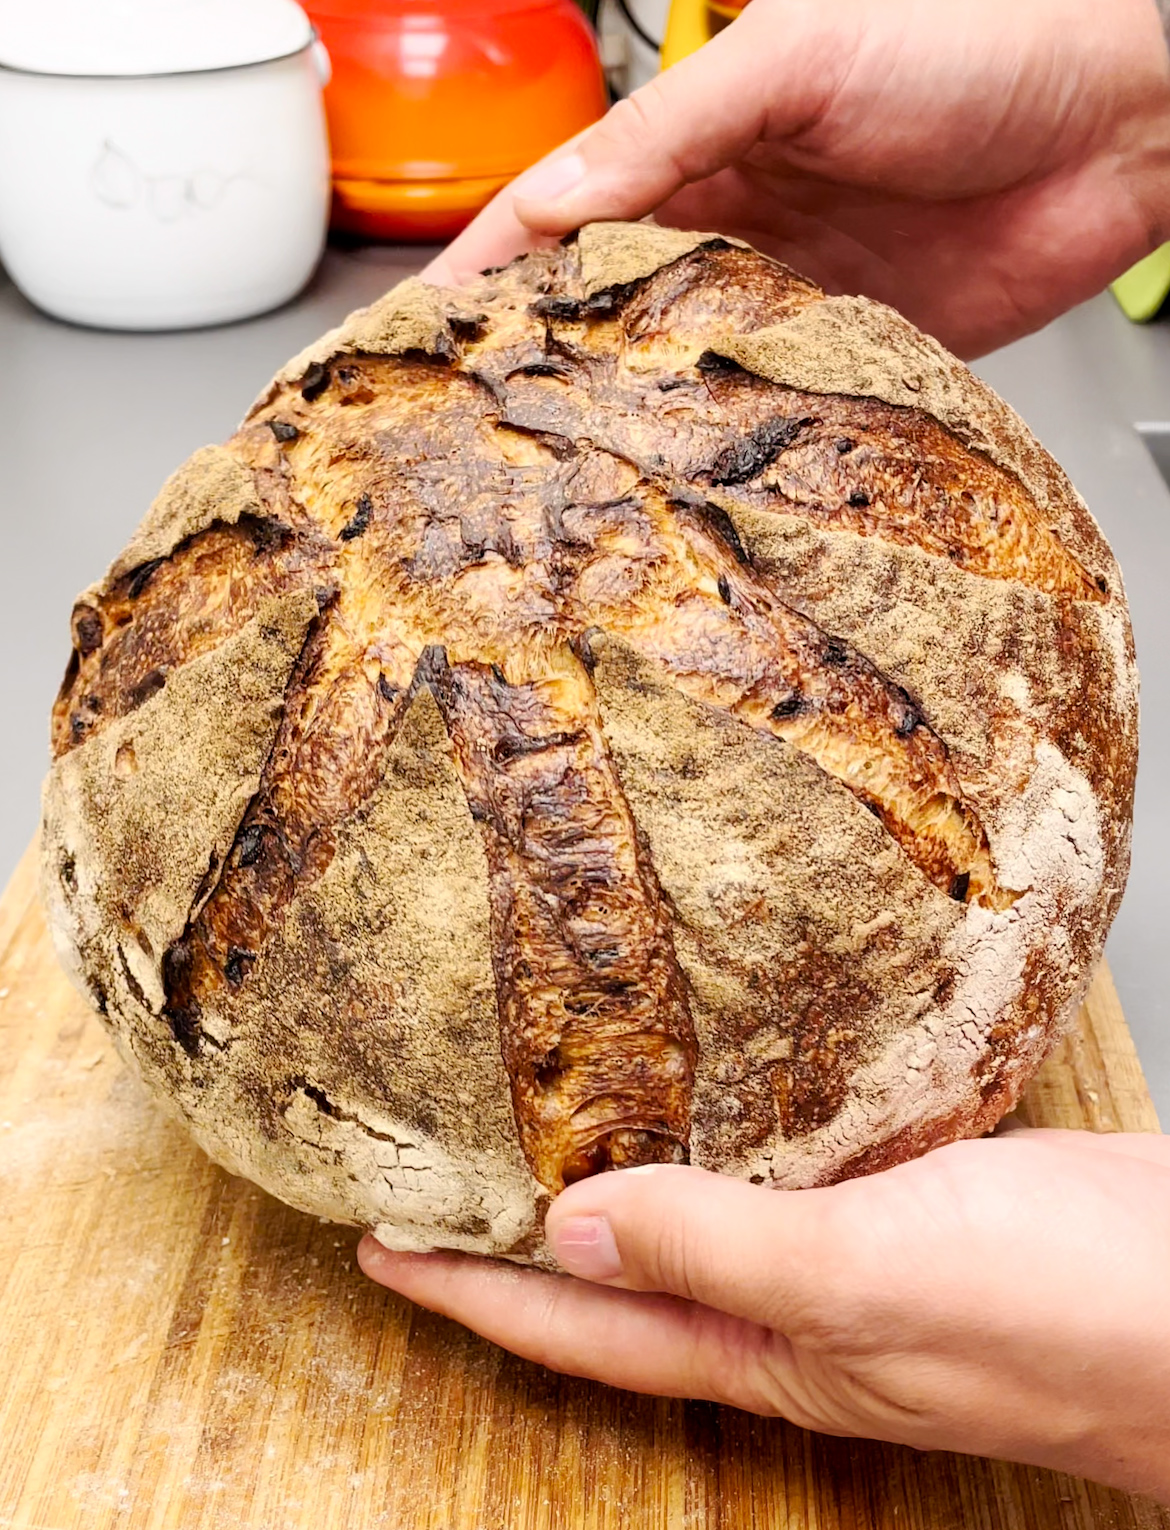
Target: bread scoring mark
<point x="563" y="537"/>
<point x="887" y="471"/>
<point x="500" y="540"/>
<point x="658" y="578"/>
<point x="905" y="479"/>
<point x="669" y="318"/>
<point x="170" y="611"/>
<point x="326" y="760"/>
<point x="805" y="936"/>
<point x="594" y="1024"/>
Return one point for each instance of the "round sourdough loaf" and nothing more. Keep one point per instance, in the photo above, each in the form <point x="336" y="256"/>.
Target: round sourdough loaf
<point x="634" y="709"/>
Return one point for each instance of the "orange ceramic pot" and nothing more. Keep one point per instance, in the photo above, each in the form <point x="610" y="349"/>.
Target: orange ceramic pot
<point x="436" y="104"/>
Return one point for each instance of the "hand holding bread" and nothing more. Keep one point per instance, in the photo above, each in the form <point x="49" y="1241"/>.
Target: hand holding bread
<point x="981" y="166"/>
<point x="1003" y="1298"/>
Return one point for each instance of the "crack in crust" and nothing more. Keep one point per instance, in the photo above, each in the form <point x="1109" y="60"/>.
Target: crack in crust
<point x="563" y="466"/>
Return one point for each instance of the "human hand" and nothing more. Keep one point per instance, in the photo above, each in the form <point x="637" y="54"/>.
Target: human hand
<point x="981" y="165"/>
<point x="1004" y="1297"/>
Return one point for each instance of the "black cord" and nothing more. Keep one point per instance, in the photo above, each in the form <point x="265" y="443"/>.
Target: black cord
<point x="636" y="26"/>
<point x="590" y="7"/>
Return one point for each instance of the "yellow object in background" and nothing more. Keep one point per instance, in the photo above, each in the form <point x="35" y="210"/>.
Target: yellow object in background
<point x="692" y="23"/>
<point x="1145" y="287"/>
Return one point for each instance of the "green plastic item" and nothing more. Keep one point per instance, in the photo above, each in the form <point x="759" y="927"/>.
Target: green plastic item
<point x="1144" y="287"/>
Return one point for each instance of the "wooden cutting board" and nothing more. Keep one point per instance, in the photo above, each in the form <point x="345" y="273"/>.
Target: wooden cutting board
<point x="179" y="1350"/>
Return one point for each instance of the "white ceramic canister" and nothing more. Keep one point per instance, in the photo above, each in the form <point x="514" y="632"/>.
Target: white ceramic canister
<point x="163" y="163"/>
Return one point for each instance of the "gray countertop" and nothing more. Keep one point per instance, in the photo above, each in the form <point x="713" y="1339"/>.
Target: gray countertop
<point x="91" y="423"/>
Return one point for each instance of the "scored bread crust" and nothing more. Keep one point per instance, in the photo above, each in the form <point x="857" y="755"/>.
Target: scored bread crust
<point x="634" y="709"/>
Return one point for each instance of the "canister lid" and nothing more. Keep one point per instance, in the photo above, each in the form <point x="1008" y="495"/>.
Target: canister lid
<point x="144" y="37"/>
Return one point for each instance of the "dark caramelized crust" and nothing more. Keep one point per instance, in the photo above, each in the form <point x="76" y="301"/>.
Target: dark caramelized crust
<point x="683" y="600"/>
<point x="327" y="758"/>
<point x="596" y="1034"/>
<point x="169" y="611"/>
<point x="561" y="462"/>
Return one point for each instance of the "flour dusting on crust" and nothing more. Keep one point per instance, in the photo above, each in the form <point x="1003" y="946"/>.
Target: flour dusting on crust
<point x="635" y="708"/>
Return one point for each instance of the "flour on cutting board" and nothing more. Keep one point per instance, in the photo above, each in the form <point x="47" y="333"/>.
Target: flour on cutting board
<point x="99" y="1133"/>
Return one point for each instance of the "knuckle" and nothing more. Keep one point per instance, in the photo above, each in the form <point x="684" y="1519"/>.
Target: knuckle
<point x="744" y="1364"/>
<point x="672" y="1257"/>
<point x="662" y="1237"/>
<point x="638" y="116"/>
<point x="546" y="1344"/>
<point x="643" y="123"/>
<point x="730" y="1358"/>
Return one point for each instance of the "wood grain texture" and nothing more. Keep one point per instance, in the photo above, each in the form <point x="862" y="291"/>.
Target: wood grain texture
<point x="179" y="1351"/>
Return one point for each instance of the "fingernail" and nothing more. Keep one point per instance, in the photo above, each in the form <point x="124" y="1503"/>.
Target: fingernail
<point x="439" y="273"/>
<point x="585" y="1246"/>
<point x="371" y="1252"/>
<point x="547" y="182"/>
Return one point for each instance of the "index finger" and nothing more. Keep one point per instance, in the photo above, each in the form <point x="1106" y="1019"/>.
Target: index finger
<point x="644" y="1343"/>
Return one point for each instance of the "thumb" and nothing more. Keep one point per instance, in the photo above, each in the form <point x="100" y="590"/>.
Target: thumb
<point x="765" y="73"/>
<point x="781" y="1258"/>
